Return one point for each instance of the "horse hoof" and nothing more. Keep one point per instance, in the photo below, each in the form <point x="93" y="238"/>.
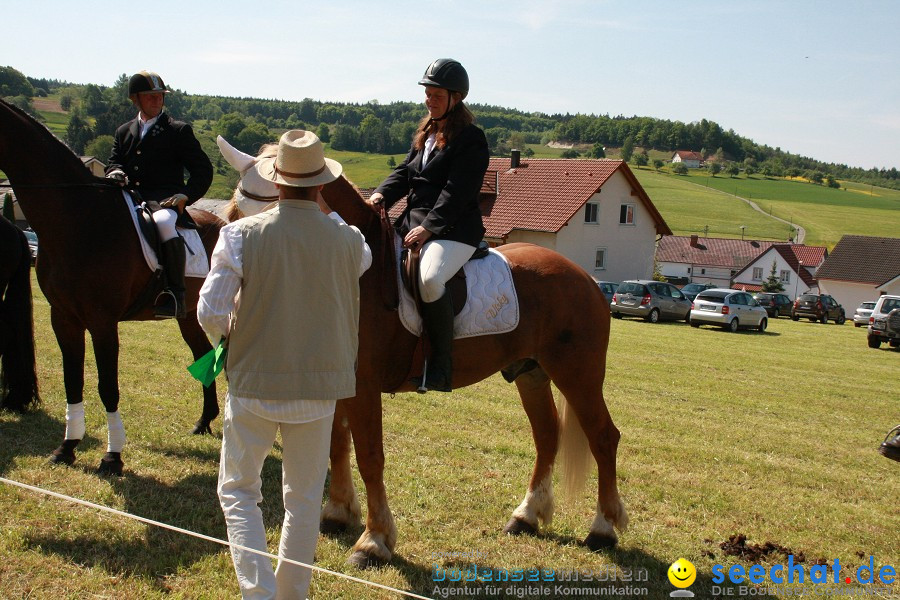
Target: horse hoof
<point x="519" y="527"/>
<point x="65" y="454"/>
<point x="111" y="464"/>
<point x="596" y="542"/>
<point x="201" y="428"/>
<point x="332" y="526"/>
<point x="361" y="560"/>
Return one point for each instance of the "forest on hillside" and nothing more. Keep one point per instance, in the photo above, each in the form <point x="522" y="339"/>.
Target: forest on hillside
<point x="95" y="112"/>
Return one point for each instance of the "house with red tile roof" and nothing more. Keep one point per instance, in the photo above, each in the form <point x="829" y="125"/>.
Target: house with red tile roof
<point x="795" y="266"/>
<point x="593" y="212"/>
<point x="694" y="259"/>
<point x="692" y="160"/>
<point x="861" y="268"/>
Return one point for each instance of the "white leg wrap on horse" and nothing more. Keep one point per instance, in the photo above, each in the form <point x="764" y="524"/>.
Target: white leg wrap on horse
<point x="75" y="421"/>
<point x="115" y="432"/>
<point x="538" y="504"/>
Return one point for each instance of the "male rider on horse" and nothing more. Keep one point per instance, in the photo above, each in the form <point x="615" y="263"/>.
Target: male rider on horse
<point x="151" y="153"/>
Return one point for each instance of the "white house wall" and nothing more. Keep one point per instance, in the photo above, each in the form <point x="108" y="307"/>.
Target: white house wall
<point x="851" y="294"/>
<point x="629" y="248"/>
<point x="793" y="289"/>
<point x="538" y="238"/>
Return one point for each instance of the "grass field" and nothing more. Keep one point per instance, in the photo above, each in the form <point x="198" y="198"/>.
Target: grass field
<point x="690" y="208"/>
<point x="826" y="213"/>
<point x="768" y="435"/>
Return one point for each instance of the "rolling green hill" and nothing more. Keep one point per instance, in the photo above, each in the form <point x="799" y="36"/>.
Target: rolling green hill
<point x="826" y="213"/>
<point x="696" y="203"/>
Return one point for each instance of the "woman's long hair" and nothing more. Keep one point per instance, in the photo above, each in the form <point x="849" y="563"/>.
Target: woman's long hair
<point x="457" y="119"/>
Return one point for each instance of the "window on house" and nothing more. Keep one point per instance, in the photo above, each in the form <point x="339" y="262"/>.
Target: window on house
<point x="785" y="276"/>
<point x="626" y="214"/>
<point x="600" y="259"/>
<point x="757" y="273"/>
<point x="590" y="212"/>
<point x="703" y="271"/>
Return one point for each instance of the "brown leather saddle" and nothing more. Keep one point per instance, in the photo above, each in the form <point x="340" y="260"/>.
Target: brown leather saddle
<point x="409" y="274"/>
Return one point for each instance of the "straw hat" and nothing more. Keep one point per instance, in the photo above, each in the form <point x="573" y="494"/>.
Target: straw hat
<point x="300" y="162"/>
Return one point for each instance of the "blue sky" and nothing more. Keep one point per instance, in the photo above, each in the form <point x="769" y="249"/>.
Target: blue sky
<point x="817" y="78"/>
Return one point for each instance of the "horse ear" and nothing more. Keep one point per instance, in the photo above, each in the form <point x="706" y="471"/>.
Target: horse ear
<point x="237" y="159"/>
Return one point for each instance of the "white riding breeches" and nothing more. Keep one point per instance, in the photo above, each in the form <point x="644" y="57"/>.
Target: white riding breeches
<point x="165" y="223"/>
<point x="439" y="261"/>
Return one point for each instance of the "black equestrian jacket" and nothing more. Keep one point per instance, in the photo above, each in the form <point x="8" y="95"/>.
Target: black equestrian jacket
<point x="155" y="165"/>
<point x="442" y="196"/>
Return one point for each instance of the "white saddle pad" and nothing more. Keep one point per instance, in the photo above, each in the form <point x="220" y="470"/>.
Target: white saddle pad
<point x="196" y="261"/>
<point x="492" y="305"/>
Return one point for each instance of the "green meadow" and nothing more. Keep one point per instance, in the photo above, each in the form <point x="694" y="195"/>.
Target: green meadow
<point x="826" y="213"/>
<point x="771" y="436"/>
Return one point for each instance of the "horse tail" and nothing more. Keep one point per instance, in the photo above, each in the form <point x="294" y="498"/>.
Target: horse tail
<point x="574" y="453"/>
<point x="18" y="373"/>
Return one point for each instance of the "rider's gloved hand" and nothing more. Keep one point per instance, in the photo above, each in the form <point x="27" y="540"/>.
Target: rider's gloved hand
<point x="177" y="201"/>
<point x="119" y="175"/>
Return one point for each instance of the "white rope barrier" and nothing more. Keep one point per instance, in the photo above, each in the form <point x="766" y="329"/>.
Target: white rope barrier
<point x="205" y="537"/>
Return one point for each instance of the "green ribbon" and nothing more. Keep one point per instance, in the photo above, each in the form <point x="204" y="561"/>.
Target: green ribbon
<point x="210" y="364"/>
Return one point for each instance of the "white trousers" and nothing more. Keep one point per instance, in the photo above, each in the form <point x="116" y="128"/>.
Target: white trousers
<point x="165" y="223"/>
<point x="440" y="260"/>
<point x="246" y="442"/>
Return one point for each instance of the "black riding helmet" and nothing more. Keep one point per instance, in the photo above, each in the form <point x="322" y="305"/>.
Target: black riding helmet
<point x="146" y="81"/>
<point x="448" y="74"/>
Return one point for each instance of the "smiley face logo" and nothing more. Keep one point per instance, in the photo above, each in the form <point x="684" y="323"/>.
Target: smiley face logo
<point x="682" y="573"/>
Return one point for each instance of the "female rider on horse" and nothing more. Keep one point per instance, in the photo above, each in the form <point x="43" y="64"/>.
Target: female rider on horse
<point x="441" y="178"/>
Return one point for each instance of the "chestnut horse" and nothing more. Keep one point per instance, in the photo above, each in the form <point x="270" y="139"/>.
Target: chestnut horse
<point x="562" y="337"/>
<point x="18" y="376"/>
<point x="91" y="267"/>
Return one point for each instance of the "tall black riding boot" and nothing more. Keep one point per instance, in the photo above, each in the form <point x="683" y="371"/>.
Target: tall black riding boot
<point x="170" y="303"/>
<point x="438" y="320"/>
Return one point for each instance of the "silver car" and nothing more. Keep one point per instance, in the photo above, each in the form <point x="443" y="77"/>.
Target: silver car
<point x="730" y="309"/>
<point x="650" y="300"/>
<point x="862" y="314"/>
<point x="884" y="323"/>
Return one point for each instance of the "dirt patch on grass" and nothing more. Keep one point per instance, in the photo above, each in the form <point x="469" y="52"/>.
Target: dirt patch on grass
<point x="47" y="105"/>
<point x="737" y="545"/>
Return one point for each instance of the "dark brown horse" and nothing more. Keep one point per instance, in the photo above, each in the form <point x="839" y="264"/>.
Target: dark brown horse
<point x="18" y="377"/>
<point x="91" y="268"/>
<point x="554" y="342"/>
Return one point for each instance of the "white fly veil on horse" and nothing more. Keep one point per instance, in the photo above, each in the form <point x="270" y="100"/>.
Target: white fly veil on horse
<point x="254" y="192"/>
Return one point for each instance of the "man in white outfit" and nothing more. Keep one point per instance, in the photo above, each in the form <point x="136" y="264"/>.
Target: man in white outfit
<point x="292" y="337"/>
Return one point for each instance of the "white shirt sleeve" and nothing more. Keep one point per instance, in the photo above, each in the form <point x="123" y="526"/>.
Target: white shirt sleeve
<point x="218" y="296"/>
<point x="366" y="260"/>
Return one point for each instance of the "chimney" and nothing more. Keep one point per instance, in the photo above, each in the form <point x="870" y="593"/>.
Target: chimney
<point x="514" y="159"/>
<point x="695" y="241"/>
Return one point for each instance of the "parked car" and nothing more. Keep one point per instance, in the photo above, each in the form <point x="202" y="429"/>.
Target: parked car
<point x="730" y="309"/>
<point x="32" y="243"/>
<point x="884" y="322"/>
<point x="691" y="290"/>
<point x="608" y="288"/>
<point x="862" y="314"/>
<point x="818" y="307"/>
<point x="650" y="300"/>
<point x="775" y="304"/>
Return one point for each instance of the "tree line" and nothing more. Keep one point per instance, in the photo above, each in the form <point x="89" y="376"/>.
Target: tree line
<point x="96" y="111"/>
